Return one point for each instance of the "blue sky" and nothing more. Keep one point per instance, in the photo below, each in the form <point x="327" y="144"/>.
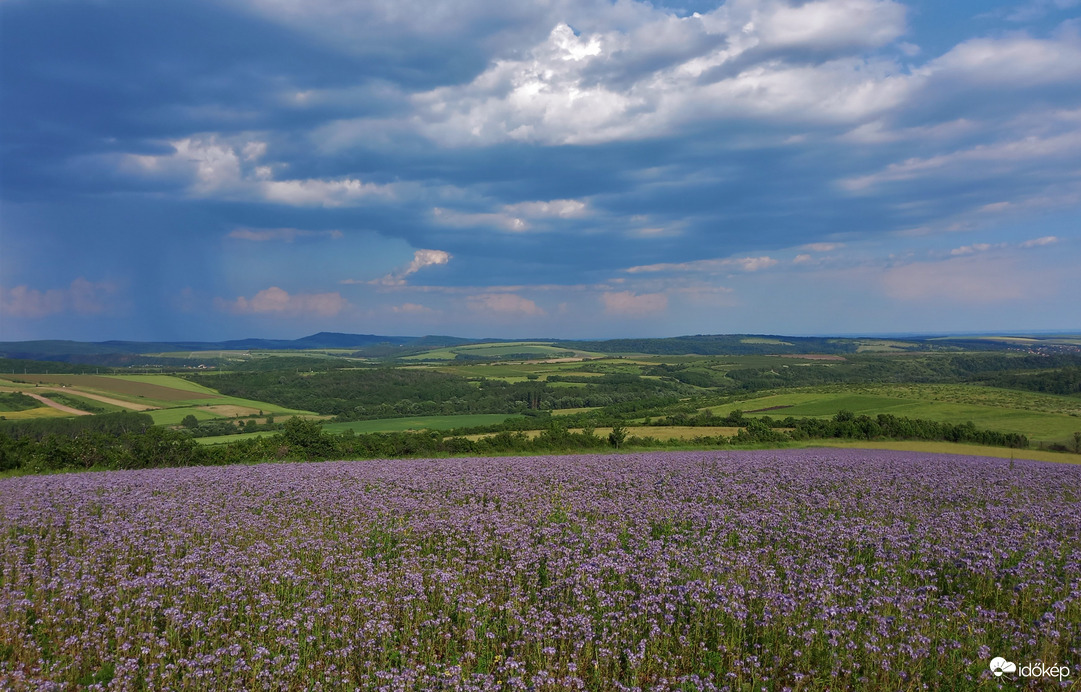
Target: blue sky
<point x="565" y="168"/>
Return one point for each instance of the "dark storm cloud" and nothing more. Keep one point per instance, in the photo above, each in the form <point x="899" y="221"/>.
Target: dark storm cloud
<point x="536" y="144"/>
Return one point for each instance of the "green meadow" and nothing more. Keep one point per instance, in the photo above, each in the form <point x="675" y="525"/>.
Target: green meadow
<point x="1042" y="417"/>
<point x="385" y="425"/>
<point x="530" y="349"/>
<point x="418" y="423"/>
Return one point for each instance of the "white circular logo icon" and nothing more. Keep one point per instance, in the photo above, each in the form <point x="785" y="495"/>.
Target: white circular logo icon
<point x="1000" y="665"/>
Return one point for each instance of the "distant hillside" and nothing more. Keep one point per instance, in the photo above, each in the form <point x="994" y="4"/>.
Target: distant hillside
<point x="121" y="352"/>
<point x="127" y="353"/>
<point x="721" y="344"/>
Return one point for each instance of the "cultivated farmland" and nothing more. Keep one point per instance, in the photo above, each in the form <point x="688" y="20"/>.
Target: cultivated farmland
<point x="167" y="399"/>
<point x="808" y="569"/>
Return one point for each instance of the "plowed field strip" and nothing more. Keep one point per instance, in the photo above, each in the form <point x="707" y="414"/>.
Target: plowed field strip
<point x="130" y="405"/>
<point x="116" y="385"/>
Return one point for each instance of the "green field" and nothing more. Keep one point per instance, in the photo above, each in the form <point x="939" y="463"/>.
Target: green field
<point x="419" y="423"/>
<point x="81" y="403"/>
<point x="225" y="439"/>
<point x="12" y="401"/>
<point x="168" y="381"/>
<point x="167" y="399"/>
<point x="984" y="406"/>
<point x="505" y="371"/>
<point x="532" y="349"/>
<point x="386" y="425"/>
<point x="173" y="416"/>
<point x="949" y="448"/>
<point x="40" y="412"/>
<point x="221" y="407"/>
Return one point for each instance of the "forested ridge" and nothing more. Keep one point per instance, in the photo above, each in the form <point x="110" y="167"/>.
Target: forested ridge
<point x="387" y="392"/>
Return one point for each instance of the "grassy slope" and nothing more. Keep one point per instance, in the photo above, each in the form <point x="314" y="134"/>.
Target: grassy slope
<point x="951" y="448"/>
<point x="387" y="425"/>
<point x="41" y="412"/>
<point x="168" y="381"/>
<point x="1041" y="417"/>
<point x="418" y="423"/>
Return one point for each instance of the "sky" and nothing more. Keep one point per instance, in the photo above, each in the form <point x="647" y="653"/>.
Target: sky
<point x="182" y="169"/>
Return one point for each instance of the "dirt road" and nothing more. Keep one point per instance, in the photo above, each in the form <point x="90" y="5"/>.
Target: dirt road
<point x="58" y="407"/>
<point x="103" y="399"/>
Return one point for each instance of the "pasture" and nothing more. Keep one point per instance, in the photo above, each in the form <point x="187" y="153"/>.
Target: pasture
<point x="1041" y="417"/>
<point x="502" y="349"/>
<point x="800" y="569"/>
<point x="418" y="423"/>
<point x="382" y="425"/>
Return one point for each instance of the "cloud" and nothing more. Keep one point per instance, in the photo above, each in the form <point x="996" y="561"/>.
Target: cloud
<point x="276" y="301"/>
<point x="971" y="249"/>
<point x="210" y="167"/>
<point x="421" y="259"/>
<point x="81" y="297"/>
<point x="426" y="258"/>
<point x="747" y="264"/>
<point x="412" y="309"/>
<point x="1037" y="242"/>
<point x="986" y="247"/>
<point x="504" y="304"/>
<point x="521" y="216"/>
<point x="996" y="160"/>
<point x="832" y="24"/>
<point x="630" y="304"/>
<point x="628" y="84"/>
<point x="753" y="264"/>
<point x="556" y="208"/>
<point x="976" y="279"/>
<point x="287" y="235"/>
<point x="563" y="142"/>
<point x="1013" y="61"/>
<point x="1036" y="9"/>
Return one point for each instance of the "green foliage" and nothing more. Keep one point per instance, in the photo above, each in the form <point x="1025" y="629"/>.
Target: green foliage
<point x="394" y="392"/>
<point x="758" y="431"/>
<point x="721" y="344"/>
<point x="106" y="423"/>
<point x="17" y="401"/>
<point x="1065" y="380"/>
<point x="19" y="366"/>
<point x="190" y="422"/>
<point x="618" y="436"/>
<point x="306" y="438"/>
<point x="81" y="403"/>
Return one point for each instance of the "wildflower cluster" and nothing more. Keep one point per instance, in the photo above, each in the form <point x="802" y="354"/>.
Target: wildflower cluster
<point x="793" y="569"/>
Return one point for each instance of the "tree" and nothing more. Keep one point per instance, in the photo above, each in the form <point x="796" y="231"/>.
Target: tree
<point x="618" y="436"/>
<point x="190" y="422"/>
<point x="307" y="437"/>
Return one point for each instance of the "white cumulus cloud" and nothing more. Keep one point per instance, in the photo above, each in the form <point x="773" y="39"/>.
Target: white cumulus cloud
<point x="276" y="301"/>
<point x="631" y="304"/>
<point x="421" y="259"/>
<point x="211" y="168"/>
<point x="81" y="297"/>
<point x="747" y="264"/>
<point x="504" y="304"/>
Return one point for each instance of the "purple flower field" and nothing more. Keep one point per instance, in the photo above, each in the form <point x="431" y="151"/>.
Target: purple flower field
<point x="793" y="569"/>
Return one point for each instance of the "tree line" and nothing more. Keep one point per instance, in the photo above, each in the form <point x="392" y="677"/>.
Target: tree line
<point x="130" y="441"/>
